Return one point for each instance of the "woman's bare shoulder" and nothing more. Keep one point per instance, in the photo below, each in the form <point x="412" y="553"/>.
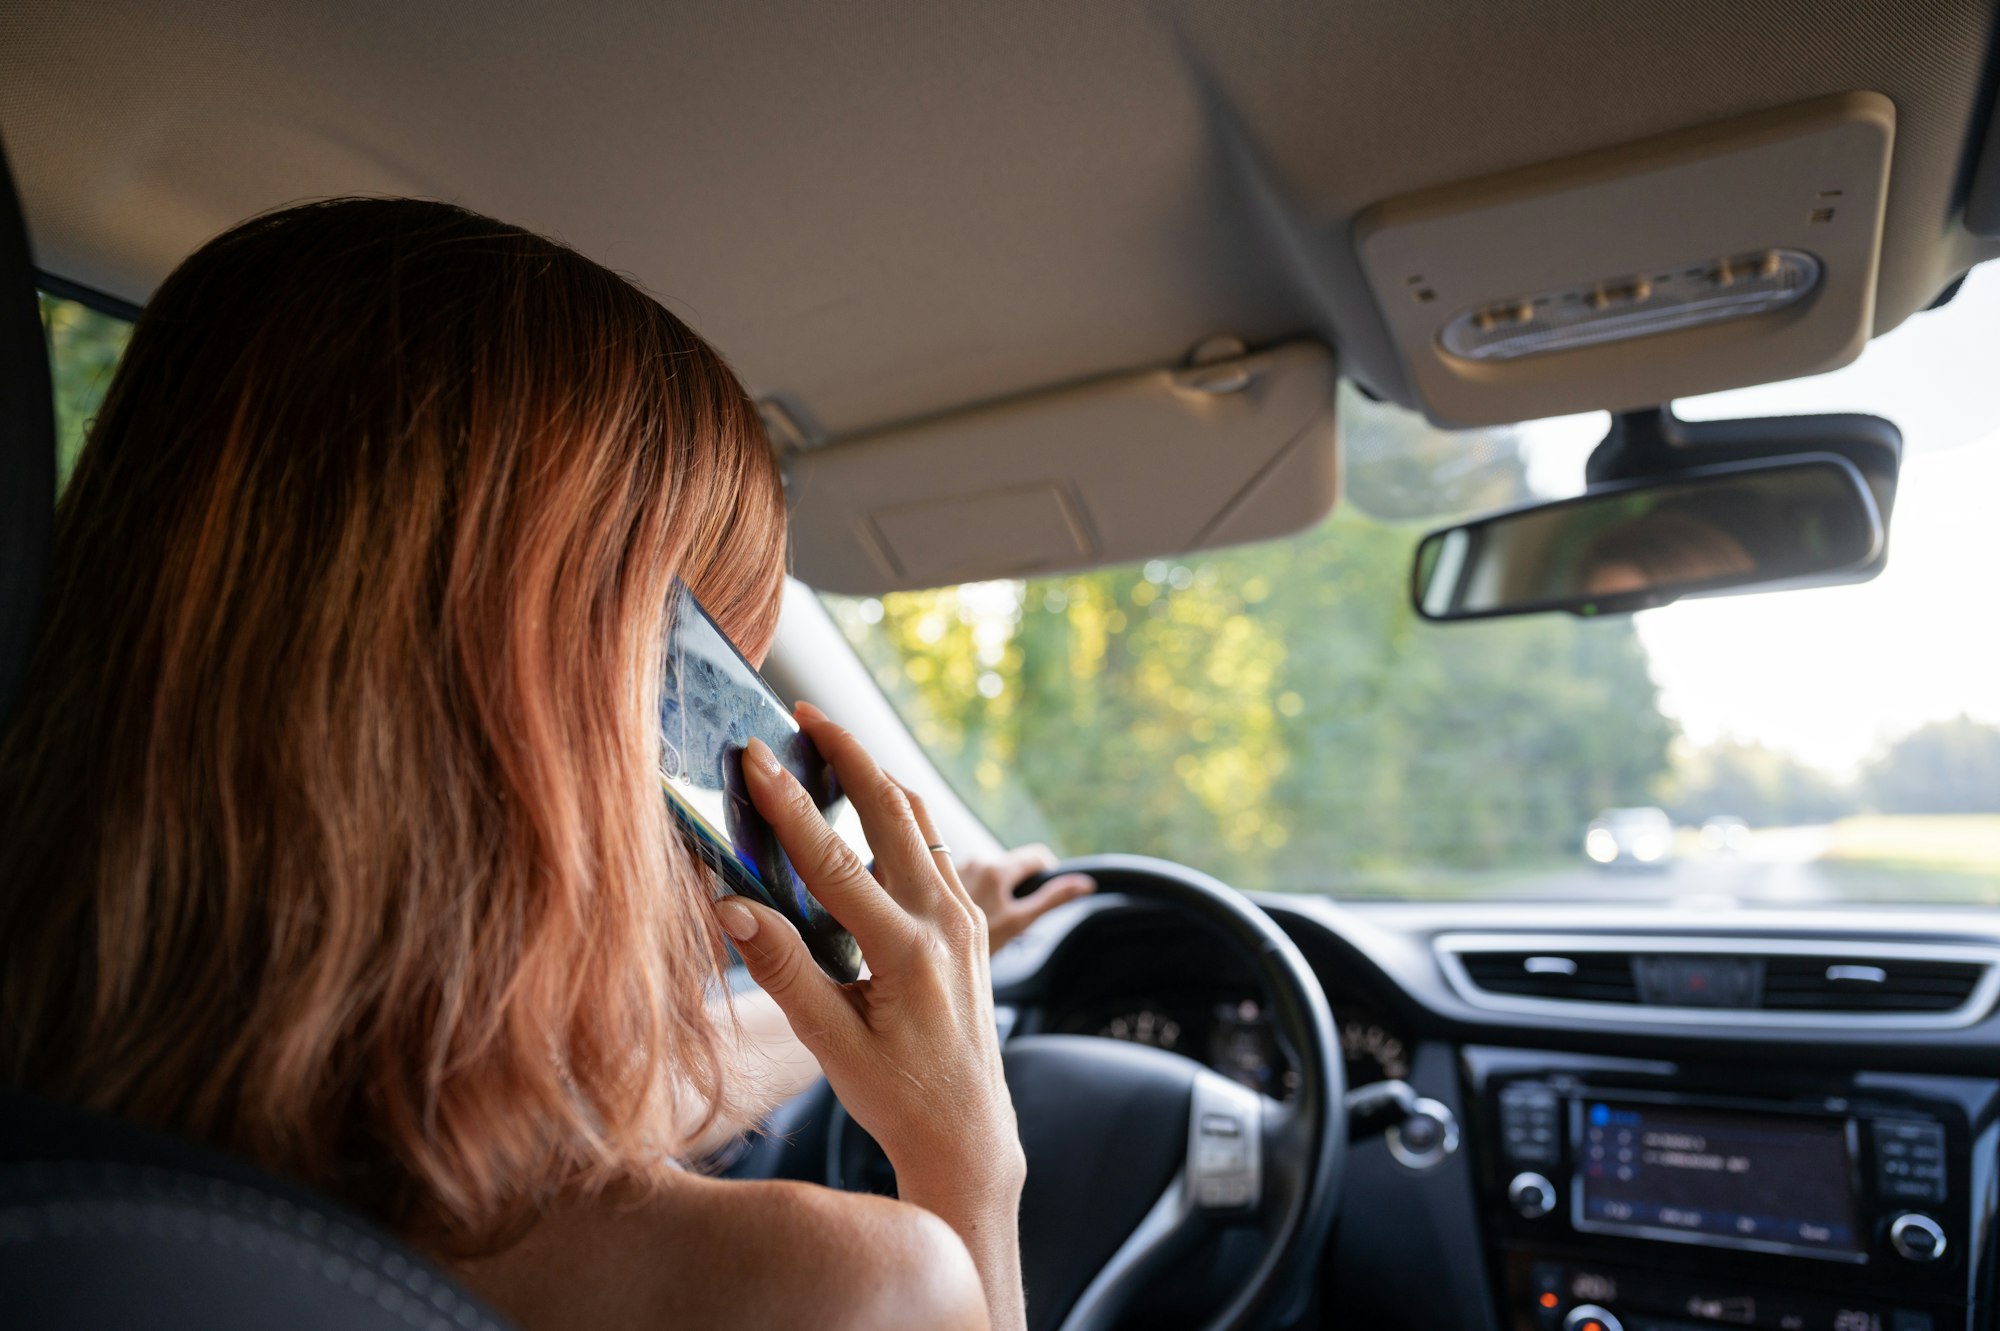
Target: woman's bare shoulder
<point x="820" y="1242"/>
<point x="704" y="1252"/>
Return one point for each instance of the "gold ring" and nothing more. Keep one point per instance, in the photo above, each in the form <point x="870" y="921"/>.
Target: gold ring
<point x="939" y="848"/>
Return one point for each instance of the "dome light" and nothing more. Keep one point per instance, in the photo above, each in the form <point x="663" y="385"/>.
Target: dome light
<point x="1617" y="309"/>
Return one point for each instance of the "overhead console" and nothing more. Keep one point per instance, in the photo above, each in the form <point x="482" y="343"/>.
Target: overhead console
<point x="1637" y="1196"/>
<point x="1729" y="254"/>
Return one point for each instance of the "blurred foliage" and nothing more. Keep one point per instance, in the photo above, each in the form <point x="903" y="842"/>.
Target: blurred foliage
<point x="84" y="347"/>
<point x="1760" y="785"/>
<point x="1944" y="767"/>
<point x="1275" y="714"/>
<point x="1397" y="467"/>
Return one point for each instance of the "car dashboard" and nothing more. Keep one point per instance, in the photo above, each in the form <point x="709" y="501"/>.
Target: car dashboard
<point x="1227" y="1030"/>
<point x="1157" y="984"/>
<point x="1660" y="1120"/>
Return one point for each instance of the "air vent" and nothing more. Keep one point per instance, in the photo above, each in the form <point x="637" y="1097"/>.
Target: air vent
<point x="1840" y="983"/>
<point x="1724" y="981"/>
<point x="1575" y="977"/>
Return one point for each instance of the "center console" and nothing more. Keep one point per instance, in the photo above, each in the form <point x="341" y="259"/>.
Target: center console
<point x="1643" y="1196"/>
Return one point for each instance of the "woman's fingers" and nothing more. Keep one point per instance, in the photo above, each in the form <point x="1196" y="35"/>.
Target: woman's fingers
<point x="992" y="885"/>
<point x="946" y="865"/>
<point x="903" y="859"/>
<point x="818" y="1009"/>
<point x="1066" y="887"/>
<point x="833" y="872"/>
<point x="1030" y="859"/>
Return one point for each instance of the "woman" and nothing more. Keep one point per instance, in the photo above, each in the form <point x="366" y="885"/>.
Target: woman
<point x="330" y="830"/>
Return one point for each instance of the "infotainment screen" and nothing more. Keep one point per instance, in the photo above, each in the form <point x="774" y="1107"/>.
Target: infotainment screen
<point x="1773" y="1182"/>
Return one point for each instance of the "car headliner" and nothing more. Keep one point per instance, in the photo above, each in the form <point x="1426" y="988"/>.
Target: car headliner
<point x="882" y="210"/>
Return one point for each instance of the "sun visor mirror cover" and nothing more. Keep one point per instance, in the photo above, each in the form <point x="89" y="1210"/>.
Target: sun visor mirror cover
<point x="1653" y="223"/>
<point x="1106" y="472"/>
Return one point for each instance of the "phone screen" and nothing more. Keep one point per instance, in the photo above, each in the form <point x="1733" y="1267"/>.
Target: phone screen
<point x="711" y="703"/>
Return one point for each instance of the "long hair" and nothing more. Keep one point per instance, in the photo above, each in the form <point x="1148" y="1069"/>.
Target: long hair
<point x="330" y="829"/>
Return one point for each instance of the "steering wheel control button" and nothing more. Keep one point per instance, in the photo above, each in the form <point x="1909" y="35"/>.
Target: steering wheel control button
<point x="1224" y="1167"/>
<point x="1420" y="1134"/>
<point x="1916" y="1237"/>
<point x="1425" y="1138"/>
<point x="1528" y="1124"/>
<point x="1531" y="1195"/>
<point x="1590" y="1317"/>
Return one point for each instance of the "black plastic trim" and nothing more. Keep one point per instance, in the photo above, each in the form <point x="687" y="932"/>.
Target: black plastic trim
<point x="64" y="289"/>
<point x="27" y="449"/>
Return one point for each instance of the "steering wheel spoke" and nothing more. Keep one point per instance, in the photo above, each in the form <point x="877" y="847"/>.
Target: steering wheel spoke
<point x="1140" y="1160"/>
<point x="1231" y="1131"/>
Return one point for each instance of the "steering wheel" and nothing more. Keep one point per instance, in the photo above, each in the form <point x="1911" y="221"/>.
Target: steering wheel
<point x="1140" y="1159"/>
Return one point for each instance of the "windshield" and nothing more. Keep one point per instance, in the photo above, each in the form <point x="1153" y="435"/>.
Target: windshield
<point x="1278" y="716"/>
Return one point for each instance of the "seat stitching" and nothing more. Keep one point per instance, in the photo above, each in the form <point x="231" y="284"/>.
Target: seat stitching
<point x="173" y="1204"/>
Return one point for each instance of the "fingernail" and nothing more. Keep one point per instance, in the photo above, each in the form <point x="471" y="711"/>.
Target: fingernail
<point x="810" y="712"/>
<point x="737" y="920"/>
<point x="760" y="756"/>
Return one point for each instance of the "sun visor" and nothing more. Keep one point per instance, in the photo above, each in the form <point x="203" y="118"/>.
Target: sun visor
<point x="1982" y="197"/>
<point x="1114" y="470"/>
<point x="1736" y="253"/>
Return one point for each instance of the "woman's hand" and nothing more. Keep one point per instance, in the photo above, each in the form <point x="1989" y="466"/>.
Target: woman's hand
<point x="992" y="884"/>
<point x="777" y="1066"/>
<point x="911" y="1050"/>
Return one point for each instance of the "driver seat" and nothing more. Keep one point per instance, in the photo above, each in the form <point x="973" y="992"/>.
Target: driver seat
<point x="104" y="1224"/>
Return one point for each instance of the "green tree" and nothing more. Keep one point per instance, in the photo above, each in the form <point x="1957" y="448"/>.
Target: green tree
<point x="84" y="347"/>
<point x="1397" y="467"/>
<point x="1757" y="784"/>
<point x="1276" y="713"/>
<point x="1944" y="767"/>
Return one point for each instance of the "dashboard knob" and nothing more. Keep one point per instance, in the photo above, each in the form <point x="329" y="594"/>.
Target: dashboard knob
<point x="1590" y="1317"/>
<point x="1426" y="1137"/>
<point x="1533" y="1197"/>
<point x="1916" y="1237"/>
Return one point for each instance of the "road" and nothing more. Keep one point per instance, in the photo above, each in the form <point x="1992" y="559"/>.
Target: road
<point x="1779" y="868"/>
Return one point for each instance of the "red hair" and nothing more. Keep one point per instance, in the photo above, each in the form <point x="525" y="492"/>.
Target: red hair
<point x="330" y="829"/>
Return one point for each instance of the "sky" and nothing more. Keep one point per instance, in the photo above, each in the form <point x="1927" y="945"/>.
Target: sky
<point x="1832" y="674"/>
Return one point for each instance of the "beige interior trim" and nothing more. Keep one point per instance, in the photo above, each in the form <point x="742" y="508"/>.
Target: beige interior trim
<point x="1115" y="470"/>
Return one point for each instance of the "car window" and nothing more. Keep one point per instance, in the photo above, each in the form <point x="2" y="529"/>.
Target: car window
<point x="84" y="347"/>
<point x="1278" y="715"/>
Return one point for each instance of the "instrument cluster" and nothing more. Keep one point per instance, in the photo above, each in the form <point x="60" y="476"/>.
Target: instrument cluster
<point x="1233" y="1034"/>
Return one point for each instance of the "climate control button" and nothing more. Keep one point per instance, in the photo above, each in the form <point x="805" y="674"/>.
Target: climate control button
<point x="1590" y="1317"/>
<point x="1916" y="1237"/>
<point x="1531" y="1195"/>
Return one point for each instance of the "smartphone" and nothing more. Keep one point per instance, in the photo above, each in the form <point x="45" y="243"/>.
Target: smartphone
<point x="711" y="703"/>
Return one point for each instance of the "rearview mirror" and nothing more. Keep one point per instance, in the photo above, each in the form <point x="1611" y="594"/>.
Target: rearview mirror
<point x="1632" y="545"/>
